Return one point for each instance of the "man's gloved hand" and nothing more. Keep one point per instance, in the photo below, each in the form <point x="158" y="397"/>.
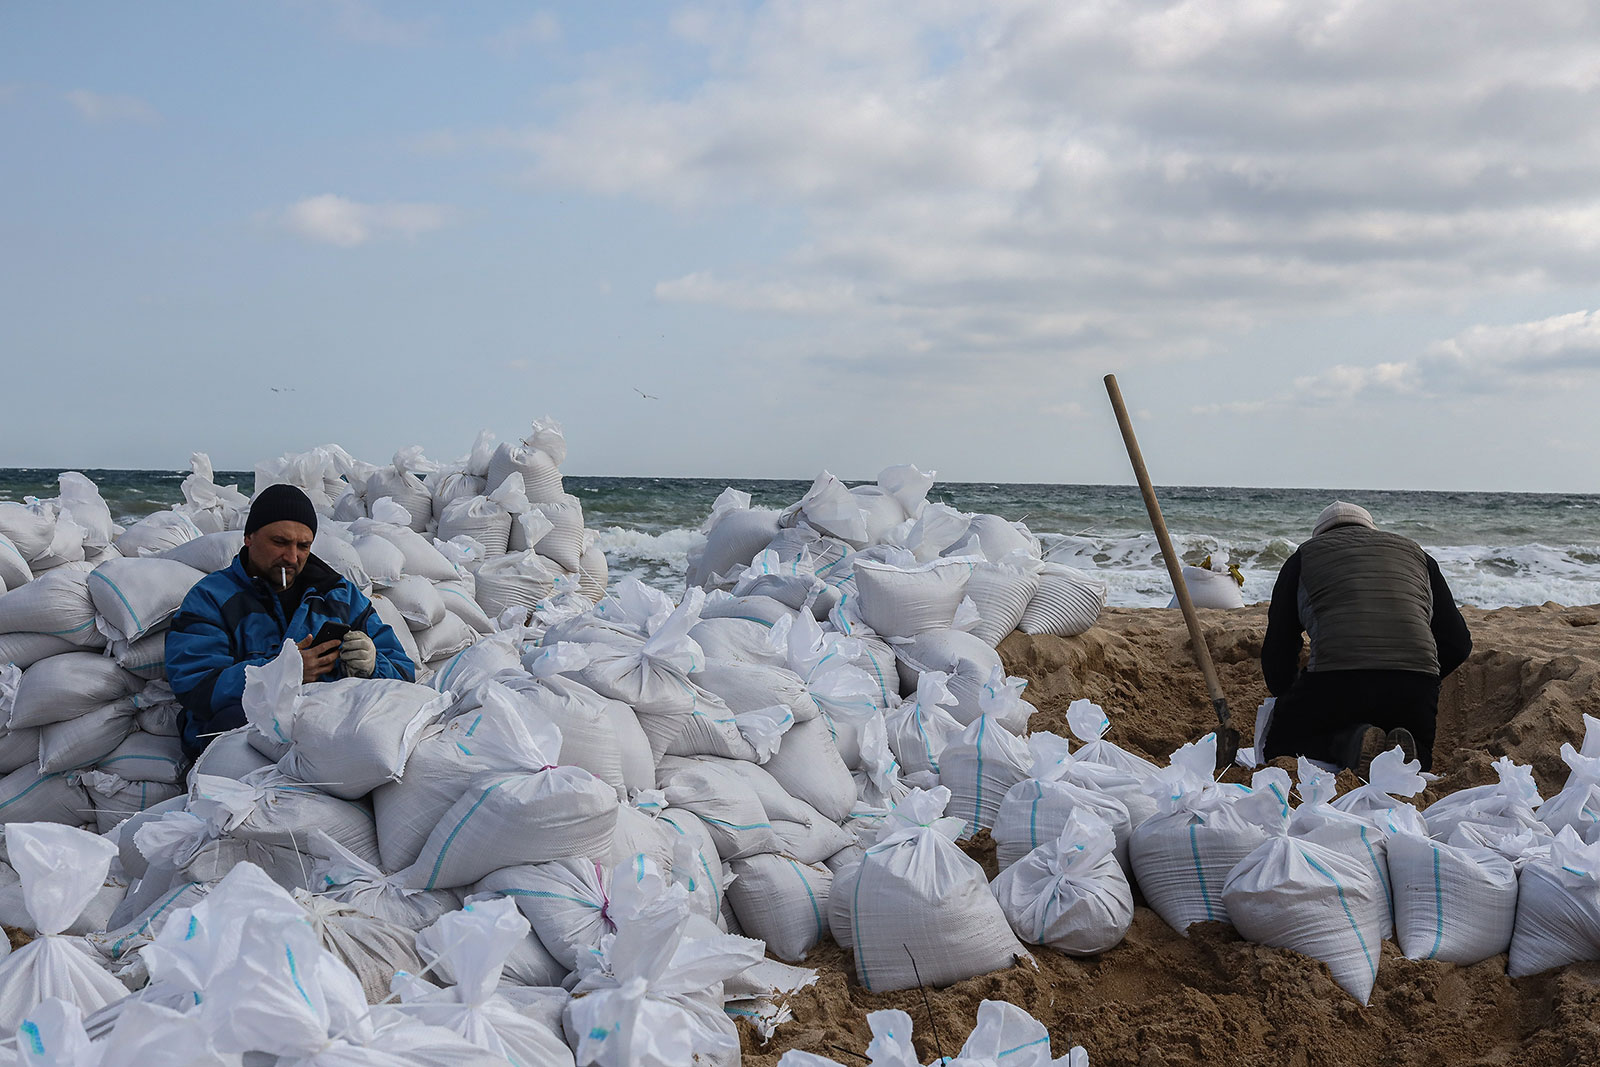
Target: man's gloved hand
<point x="360" y="655"/>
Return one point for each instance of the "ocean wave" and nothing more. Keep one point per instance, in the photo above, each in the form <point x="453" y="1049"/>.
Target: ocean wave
<point x="1489" y="576"/>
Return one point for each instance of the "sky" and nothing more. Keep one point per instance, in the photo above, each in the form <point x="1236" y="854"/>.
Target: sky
<point x="1347" y="243"/>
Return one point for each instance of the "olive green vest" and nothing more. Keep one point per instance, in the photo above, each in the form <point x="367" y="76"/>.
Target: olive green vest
<point x="1366" y="602"/>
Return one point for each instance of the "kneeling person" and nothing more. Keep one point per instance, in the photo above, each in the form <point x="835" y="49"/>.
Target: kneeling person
<point x="275" y="590"/>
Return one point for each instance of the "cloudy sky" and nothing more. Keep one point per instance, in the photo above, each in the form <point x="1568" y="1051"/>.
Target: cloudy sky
<point x="1345" y="243"/>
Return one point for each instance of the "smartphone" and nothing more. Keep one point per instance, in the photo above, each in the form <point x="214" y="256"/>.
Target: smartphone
<point x="330" y="631"/>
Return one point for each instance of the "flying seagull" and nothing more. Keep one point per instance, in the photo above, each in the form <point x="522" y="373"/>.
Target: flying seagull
<point x="644" y="394"/>
<point x="286" y="389"/>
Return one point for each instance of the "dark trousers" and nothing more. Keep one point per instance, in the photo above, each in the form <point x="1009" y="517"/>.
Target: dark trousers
<point x="198" y="730"/>
<point x="1321" y="712"/>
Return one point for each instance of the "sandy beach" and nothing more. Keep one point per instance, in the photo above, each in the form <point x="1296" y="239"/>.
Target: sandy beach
<point x="1160" y="1000"/>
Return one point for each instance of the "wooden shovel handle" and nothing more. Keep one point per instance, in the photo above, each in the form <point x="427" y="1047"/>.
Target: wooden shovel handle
<point x="1202" y="654"/>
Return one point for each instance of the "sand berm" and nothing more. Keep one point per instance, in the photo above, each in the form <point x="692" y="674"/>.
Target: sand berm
<point x="1160" y="1000"/>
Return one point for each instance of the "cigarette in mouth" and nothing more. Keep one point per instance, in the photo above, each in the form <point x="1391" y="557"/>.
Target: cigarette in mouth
<point x="283" y="575"/>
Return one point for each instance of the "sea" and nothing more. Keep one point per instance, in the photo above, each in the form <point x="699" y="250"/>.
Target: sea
<point x="1495" y="549"/>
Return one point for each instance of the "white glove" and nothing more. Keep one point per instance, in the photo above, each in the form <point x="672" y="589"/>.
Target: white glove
<point x="360" y="655"/>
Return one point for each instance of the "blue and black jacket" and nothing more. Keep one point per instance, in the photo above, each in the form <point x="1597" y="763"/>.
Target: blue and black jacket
<point x="230" y="620"/>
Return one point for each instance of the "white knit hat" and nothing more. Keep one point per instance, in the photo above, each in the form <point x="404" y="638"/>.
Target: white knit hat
<point x="1339" y="513"/>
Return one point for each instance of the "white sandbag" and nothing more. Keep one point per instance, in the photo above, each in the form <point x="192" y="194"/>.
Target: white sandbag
<point x="1034" y="813"/>
<point x="1511" y="803"/>
<point x="537" y="458"/>
<point x="731" y="640"/>
<point x="343" y="876"/>
<point x="1001" y="591"/>
<point x="965" y="658"/>
<point x="593" y="572"/>
<point x="1390" y="778"/>
<point x="507" y="819"/>
<point x="1295" y="894"/>
<point x="381" y="560"/>
<point x="501" y="735"/>
<point x="724" y="801"/>
<point x="24" y="650"/>
<point x="1558" y="907"/>
<point x="1210" y="588"/>
<point x="1052" y="761"/>
<point x="921" y="727"/>
<point x="384" y="608"/>
<point x="160" y="712"/>
<point x="898" y="602"/>
<point x="146" y="657"/>
<point x="444" y="639"/>
<point x="734" y="533"/>
<point x="1182" y="855"/>
<point x="231" y="755"/>
<point x="880" y="511"/>
<point x="751" y="687"/>
<point x="1579" y="799"/>
<point x="916" y="896"/>
<point x="781" y="901"/>
<point x="474" y="947"/>
<point x="399" y="482"/>
<point x="1090" y="724"/>
<point x="695" y="863"/>
<point x="565" y="901"/>
<point x="349" y="736"/>
<point x="28" y="527"/>
<point x="979" y="767"/>
<point x="338" y="551"/>
<point x="640" y="1005"/>
<point x="267" y="807"/>
<point x="18" y="748"/>
<point x="14" y="569"/>
<point x="86" y="738"/>
<point x="144" y="757"/>
<point x="1318" y="821"/>
<point x="1067" y="602"/>
<point x="588" y="734"/>
<point x="374" y="949"/>
<point x="419" y="554"/>
<point x="156" y="533"/>
<point x="563" y="542"/>
<point x="418" y="601"/>
<point x="213" y="507"/>
<point x="829" y="508"/>
<point x="640" y="833"/>
<point x="57" y="604"/>
<point x="28" y="795"/>
<point x="483" y="660"/>
<point x="459" y="601"/>
<point x="93" y="917"/>
<point x="69" y="685"/>
<point x="514" y="581"/>
<point x="62" y="870"/>
<point x="809" y="767"/>
<point x="1453" y="904"/>
<point x="650" y="674"/>
<point x="487" y="519"/>
<point x="813" y="840"/>
<point x="116" y="799"/>
<point x="761" y="610"/>
<point x="1069" y="894"/>
<point x="136" y="596"/>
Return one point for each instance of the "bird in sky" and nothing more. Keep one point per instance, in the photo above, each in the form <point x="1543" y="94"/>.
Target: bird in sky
<point x="285" y="389"/>
<point x="644" y="394"/>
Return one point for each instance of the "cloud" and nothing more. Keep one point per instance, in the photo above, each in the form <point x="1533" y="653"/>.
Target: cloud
<point x="1069" y="182"/>
<point x="365" y="22"/>
<point x="1560" y="352"/>
<point x="543" y="28"/>
<point x="103" y="107"/>
<point x="336" y="220"/>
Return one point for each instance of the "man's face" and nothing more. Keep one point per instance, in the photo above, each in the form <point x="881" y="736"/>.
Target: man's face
<point x="284" y="544"/>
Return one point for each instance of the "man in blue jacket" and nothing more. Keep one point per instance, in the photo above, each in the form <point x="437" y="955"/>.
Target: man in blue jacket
<point x="275" y="590"/>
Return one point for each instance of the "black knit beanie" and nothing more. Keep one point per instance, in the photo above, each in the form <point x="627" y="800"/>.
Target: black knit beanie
<point x="276" y="503"/>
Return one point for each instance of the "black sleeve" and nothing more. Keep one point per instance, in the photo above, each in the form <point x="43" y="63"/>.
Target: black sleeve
<point x="1450" y="632"/>
<point x="1280" y="650"/>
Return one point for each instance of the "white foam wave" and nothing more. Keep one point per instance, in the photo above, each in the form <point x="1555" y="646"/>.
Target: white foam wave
<point x="1489" y="576"/>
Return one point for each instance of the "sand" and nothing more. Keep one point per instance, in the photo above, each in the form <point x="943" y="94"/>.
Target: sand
<point x="1160" y="1000"/>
